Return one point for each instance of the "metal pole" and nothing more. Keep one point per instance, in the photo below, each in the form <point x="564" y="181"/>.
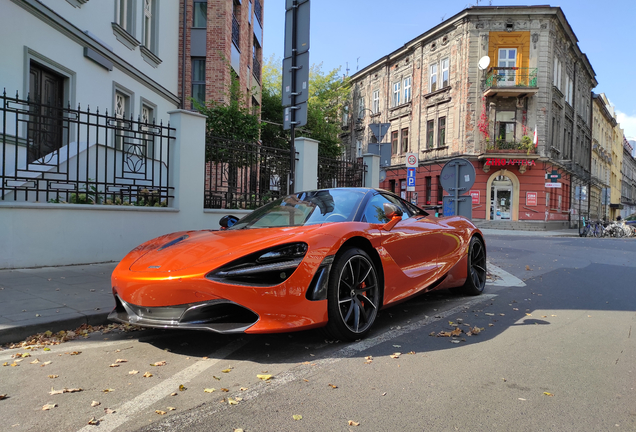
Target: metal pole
<point x="456" y="188"/>
<point x="292" y="148"/>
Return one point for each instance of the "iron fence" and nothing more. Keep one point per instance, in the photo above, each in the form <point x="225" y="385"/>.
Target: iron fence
<point x="242" y="175"/>
<point x="49" y="153"/>
<point x="340" y="173"/>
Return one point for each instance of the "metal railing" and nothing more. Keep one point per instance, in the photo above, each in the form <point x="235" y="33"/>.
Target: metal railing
<point x="340" y="173"/>
<point x="49" y="153"/>
<point x="511" y="145"/>
<point x="256" y="68"/>
<point x="236" y="32"/>
<point x="502" y="77"/>
<point x="242" y="175"/>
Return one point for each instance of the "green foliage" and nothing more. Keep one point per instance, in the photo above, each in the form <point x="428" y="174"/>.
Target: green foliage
<point x="327" y="94"/>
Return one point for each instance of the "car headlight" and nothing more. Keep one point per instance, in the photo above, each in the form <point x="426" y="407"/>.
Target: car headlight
<point x="265" y="268"/>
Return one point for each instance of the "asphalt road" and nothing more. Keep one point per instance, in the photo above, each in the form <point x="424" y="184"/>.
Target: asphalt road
<point x="553" y="353"/>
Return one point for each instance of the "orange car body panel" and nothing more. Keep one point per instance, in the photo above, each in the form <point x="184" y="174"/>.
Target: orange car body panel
<point x="415" y="254"/>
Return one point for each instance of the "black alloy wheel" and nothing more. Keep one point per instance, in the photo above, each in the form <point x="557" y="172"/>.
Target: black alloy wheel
<point x="476" y="280"/>
<point x="353" y="295"/>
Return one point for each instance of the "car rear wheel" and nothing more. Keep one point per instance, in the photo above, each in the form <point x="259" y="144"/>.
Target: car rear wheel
<point x="353" y="295"/>
<point x="476" y="280"/>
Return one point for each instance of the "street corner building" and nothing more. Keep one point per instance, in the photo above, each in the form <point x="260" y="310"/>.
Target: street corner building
<point x="506" y="88"/>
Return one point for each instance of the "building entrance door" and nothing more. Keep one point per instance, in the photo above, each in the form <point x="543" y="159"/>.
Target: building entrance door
<point x="501" y="198"/>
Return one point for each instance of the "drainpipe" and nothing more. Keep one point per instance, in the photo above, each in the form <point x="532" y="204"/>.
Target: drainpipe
<point x="183" y="54"/>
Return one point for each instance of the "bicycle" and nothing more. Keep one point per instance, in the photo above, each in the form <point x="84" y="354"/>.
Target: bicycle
<point x="584" y="228"/>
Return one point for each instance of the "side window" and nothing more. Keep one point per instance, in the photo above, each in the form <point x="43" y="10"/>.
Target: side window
<point x="374" y="213"/>
<point x="406" y="211"/>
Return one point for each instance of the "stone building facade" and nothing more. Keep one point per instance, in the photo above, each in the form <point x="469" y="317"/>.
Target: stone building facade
<point x="628" y="184"/>
<point x="602" y="135"/>
<point x="478" y="86"/>
<point x="218" y="38"/>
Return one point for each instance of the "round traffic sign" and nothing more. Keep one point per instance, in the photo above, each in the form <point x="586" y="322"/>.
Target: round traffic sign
<point x="457" y="173"/>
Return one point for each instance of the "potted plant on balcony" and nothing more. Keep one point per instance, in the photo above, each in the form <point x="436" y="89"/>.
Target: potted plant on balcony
<point x="526" y="144"/>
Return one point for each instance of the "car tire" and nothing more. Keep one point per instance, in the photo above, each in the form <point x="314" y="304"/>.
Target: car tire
<point x="353" y="296"/>
<point x="476" y="278"/>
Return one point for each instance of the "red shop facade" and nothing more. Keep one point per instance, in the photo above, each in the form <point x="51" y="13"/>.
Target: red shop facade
<point x="520" y="188"/>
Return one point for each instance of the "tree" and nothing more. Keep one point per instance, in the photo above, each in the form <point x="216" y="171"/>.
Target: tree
<point x="327" y="95"/>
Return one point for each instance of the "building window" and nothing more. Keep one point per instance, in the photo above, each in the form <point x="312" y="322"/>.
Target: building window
<point x="358" y="148"/>
<point x="440" y="191"/>
<point x="376" y="101"/>
<point x="441" y="132"/>
<point x="345" y="115"/>
<point x="394" y="142"/>
<point x="150" y="25"/>
<point x="433" y="78"/>
<point x="505" y="126"/>
<point x="407" y="89"/>
<point x="200" y="14"/>
<point x="147" y="117"/>
<point x="430" y="133"/>
<point x="405" y="140"/>
<point x="361" y="108"/>
<point x="445" y="73"/>
<point x="557" y="73"/>
<point x="198" y="79"/>
<point x="428" y="190"/>
<point x="122" y="110"/>
<point x="125" y="15"/>
<point x="396" y="94"/>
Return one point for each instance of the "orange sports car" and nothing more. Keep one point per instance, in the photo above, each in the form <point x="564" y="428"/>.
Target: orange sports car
<point x="330" y="257"/>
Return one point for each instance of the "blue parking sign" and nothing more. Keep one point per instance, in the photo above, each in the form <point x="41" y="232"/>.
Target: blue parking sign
<point x="410" y="179"/>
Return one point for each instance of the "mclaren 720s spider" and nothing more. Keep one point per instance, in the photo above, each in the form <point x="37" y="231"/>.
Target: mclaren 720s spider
<point x="325" y="258"/>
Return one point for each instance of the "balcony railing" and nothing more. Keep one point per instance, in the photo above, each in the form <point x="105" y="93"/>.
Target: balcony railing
<point x="256" y="68"/>
<point x="511" y="81"/>
<point x="510" y="146"/>
<point x="236" y="32"/>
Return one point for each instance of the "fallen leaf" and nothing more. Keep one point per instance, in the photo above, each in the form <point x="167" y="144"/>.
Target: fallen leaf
<point x="159" y="363"/>
<point x="64" y="390"/>
<point x="353" y="423"/>
<point x="14" y="364"/>
<point x="456" y="332"/>
<point x="147" y="375"/>
<point x="216" y="378"/>
<point x="263" y="377"/>
<point x="232" y="401"/>
<point x="53" y="376"/>
<point x="226" y="370"/>
<point x="109" y="411"/>
<point x="93" y="421"/>
<point x="3" y="396"/>
<point x="133" y="372"/>
<point x="489" y="314"/>
<point x="114" y="365"/>
<point x="528" y="268"/>
<point x="521" y="399"/>
<point x="36" y="361"/>
<point x="171" y="408"/>
<point x="95" y="403"/>
<point x="182" y="387"/>
<point x="209" y="390"/>
<point x="225" y="390"/>
<point x="548" y="394"/>
<point x="48" y="407"/>
<point x="238" y="430"/>
<point x="455" y="341"/>
<point x="5" y="364"/>
<point x="333" y="386"/>
<point x="297" y="417"/>
<point x="121" y="361"/>
<point x="108" y="390"/>
<point x="395" y="355"/>
<point x="46" y="349"/>
<point x="245" y="388"/>
<point x="160" y="412"/>
<point x="397" y="346"/>
<point x="46" y="363"/>
<point x="173" y="394"/>
<point x="368" y="358"/>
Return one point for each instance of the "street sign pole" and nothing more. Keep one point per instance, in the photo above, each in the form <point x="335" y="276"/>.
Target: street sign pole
<point x="292" y="147"/>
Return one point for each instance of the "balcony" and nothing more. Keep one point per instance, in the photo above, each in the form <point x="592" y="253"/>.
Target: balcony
<point x="236" y="32"/>
<point x="256" y="68"/>
<point x="502" y="146"/>
<point x="511" y="82"/>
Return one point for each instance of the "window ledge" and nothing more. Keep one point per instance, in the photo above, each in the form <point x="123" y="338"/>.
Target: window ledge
<point x="405" y="104"/>
<point x="436" y="92"/>
<point x="428" y="150"/>
<point x="124" y="37"/>
<point x="149" y="56"/>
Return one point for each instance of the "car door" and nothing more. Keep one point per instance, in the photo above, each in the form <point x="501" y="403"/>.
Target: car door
<point x="408" y="250"/>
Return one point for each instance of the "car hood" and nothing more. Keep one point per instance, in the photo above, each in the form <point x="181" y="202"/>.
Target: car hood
<point x="216" y="248"/>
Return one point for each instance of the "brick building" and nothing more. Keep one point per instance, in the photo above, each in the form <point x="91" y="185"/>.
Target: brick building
<point x="219" y="38"/>
<point x="477" y="86"/>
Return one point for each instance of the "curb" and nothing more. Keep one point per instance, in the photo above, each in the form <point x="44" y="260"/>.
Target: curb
<point x="12" y="333"/>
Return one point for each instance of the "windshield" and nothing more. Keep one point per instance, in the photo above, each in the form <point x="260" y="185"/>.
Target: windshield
<point x="305" y="208"/>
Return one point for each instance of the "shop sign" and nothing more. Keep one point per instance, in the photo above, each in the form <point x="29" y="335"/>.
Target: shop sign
<point x="553" y="185"/>
<point x="475" y="196"/>
<point x="531" y="199"/>
<point x="503" y="162"/>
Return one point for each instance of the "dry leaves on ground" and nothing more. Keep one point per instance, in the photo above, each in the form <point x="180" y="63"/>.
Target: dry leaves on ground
<point x="93" y="421"/>
<point x="395" y="355"/>
<point x="64" y="390"/>
<point x="209" y="390"/>
<point x="48" y="407"/>
<point x="297" y="417"/>
<point x="264" y="377"/>
<point x="147" y="375"/>
<point x="353" y="423"/>
<point x="95" y="403"/>
<point x="159" y="363"/>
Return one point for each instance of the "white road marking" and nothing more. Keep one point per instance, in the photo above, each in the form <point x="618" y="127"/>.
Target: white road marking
<point x="505" y="278"/>
<point x="123" y="413"/>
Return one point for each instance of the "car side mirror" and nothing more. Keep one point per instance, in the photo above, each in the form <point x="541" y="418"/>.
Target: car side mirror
<point x="393" y="213"/>
<point x="227" y="221"/>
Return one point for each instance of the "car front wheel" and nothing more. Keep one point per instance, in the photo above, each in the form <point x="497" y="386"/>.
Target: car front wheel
<point x="353" y="295"/>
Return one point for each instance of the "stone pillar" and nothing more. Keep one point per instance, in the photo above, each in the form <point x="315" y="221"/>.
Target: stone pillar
<point x="372" y="177"/>
<point x="306" y="165"/>
<point x="187" y="155"/>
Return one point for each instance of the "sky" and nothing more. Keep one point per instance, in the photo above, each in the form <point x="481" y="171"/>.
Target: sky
<point x="351" y="34"/>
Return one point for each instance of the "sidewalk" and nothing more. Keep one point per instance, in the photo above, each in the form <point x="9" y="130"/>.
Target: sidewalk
<point x="63" y="298"/>
<point x="53" y="298"/>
